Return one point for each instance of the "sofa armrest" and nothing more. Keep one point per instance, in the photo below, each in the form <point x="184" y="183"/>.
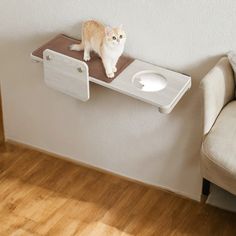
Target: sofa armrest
<point x="218" y="89"/>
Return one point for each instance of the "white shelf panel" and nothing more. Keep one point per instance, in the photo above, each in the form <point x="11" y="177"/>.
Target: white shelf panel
<point x="165" y="99"/>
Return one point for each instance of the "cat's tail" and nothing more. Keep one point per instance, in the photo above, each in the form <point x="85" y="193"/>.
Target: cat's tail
<point x="77" y="47"/>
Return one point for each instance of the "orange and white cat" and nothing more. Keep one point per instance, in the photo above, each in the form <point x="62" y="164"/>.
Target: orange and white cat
<point x="106" y="41"/>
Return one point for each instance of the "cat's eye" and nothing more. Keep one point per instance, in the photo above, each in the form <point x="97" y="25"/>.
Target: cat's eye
<point x="121" y="36"/>
<point x="114" y="37"/>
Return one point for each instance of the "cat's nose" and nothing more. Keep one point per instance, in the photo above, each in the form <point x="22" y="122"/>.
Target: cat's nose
<point x="118" y="40"/>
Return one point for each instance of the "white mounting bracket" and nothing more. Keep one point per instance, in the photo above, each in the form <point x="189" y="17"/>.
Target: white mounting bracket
<point x="66" y="74"/>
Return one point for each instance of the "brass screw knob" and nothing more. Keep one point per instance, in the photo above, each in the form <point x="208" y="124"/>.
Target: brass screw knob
<point x="48" y="58"/>
<point x="80" y="69"/>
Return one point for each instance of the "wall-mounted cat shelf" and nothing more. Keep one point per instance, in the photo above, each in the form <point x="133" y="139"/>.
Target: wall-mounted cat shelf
<point x="66" y="71"/>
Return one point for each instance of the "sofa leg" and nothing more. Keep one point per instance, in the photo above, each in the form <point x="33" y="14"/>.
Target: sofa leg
<point x="206" y="187"/>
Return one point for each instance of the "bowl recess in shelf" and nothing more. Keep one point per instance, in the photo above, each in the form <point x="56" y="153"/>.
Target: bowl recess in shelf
<point x="149" y="81"/>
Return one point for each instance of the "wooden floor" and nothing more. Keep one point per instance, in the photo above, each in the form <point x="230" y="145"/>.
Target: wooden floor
<point x="43" y="195"/>
<point x="1" y="121"/>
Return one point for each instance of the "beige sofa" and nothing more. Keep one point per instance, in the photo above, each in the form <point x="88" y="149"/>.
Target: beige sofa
<point x="218" y="159"/>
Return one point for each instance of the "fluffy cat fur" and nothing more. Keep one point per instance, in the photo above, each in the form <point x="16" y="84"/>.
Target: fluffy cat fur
<point x="107" y="42"/>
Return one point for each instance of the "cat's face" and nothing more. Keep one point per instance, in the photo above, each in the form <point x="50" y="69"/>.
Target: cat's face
<point x="115" y="36"/>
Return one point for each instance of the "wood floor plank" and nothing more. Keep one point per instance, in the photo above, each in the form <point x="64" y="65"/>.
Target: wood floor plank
<point x="12" y="223"/>
<point x="1" y="121"/>
<point x="9" y="154"/>
<point x="126" y="202"/>
<point x="41" y="195"/>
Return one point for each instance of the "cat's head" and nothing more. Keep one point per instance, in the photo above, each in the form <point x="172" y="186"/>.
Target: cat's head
<point x="115" y="36"/>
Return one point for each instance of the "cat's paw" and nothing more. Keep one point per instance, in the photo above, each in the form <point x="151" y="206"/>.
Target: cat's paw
<point x="73" y="47"/>
<point x="87" y="58"/>
<point x="110" y="75"/>
<point x="114" y="69"/>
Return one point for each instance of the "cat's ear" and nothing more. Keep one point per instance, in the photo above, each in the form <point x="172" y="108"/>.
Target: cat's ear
<point x="108" y="30"/>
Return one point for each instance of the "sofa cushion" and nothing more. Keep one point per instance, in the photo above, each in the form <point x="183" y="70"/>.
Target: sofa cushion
<point x="218" y="161"/>
<point x="232" y="60"/>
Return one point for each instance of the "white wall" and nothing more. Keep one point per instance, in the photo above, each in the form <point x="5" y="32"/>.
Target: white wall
<point x="113" y="131"/>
